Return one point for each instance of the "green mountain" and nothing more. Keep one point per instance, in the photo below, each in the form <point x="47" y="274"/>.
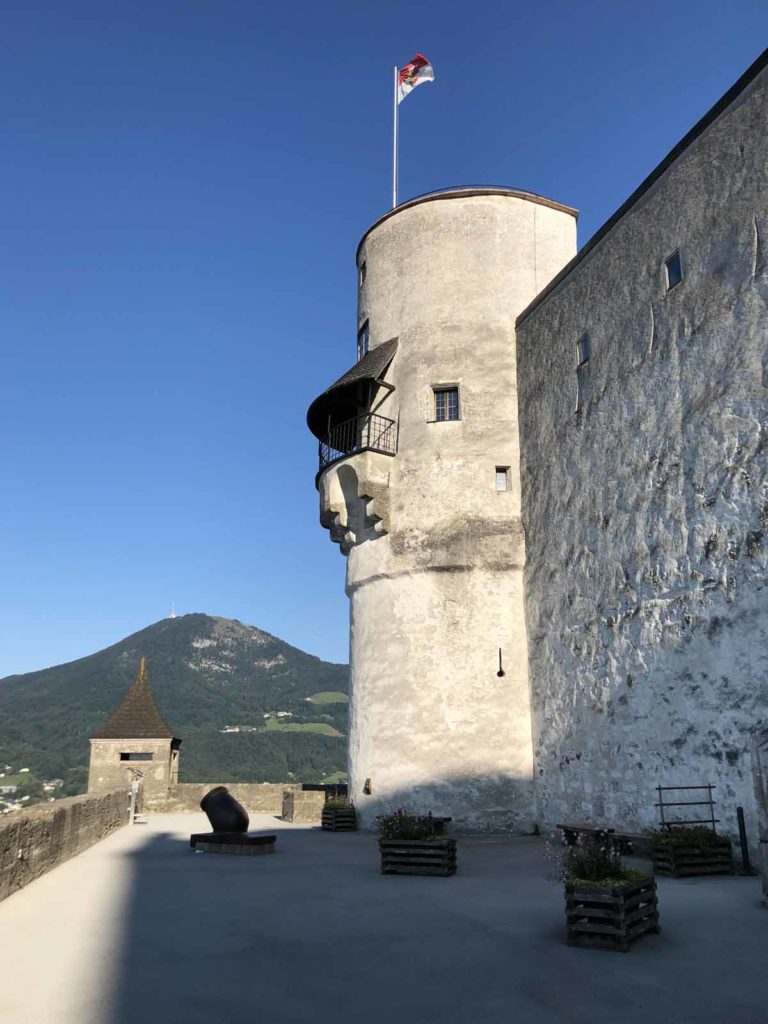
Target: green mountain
<point x="247" y="706"/>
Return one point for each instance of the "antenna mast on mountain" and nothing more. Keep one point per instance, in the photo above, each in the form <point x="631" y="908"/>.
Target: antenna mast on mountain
<point x="172" y="613"/>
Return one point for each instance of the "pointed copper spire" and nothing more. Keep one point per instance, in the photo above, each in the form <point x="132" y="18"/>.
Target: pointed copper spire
<point x="138" y="716"/>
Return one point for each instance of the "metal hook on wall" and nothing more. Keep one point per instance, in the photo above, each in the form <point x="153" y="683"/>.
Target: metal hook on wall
<point x="501" y="671"/>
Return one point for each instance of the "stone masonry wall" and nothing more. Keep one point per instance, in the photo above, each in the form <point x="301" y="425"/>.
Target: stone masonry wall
<point x="35" y="840"/>
<point x="107" y="771"/>
<point x="646" y="511"/>
<point x="303" y="808"/>
<point x="256" y="797"/>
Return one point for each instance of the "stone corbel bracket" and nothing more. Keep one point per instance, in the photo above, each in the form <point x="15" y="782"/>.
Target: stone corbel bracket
<point x="354" y="499"/>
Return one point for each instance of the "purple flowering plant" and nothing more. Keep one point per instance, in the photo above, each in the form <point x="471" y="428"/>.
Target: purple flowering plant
<point x="405" y="824"/>
<point x="590" y="859"/>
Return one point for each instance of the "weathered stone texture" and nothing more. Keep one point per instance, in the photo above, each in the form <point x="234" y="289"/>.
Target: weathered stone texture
<point x="435" y="552"/>
<point x="646" y="512"/>
<point x="760" y="774"/>
<point x="256" y="797"/>
<point x="35" y="840"/>
<point x="107" y="771"/>
<point x="303" y="807"/>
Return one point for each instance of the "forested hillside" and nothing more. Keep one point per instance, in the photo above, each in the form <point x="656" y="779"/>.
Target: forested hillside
<point x="246" y="705"/>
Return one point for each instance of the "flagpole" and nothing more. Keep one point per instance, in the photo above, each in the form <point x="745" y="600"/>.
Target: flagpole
<point x="394" y="147"/>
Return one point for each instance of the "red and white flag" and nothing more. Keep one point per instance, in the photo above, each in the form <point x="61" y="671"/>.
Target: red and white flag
<point x="414" y="73"/>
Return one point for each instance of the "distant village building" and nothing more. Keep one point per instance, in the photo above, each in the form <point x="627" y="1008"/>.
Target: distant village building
<point x="136" y="741"/>
<point x="548" y="472"/>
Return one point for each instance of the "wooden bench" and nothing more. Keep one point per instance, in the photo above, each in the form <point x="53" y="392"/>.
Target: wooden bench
<point x="627" y="842"/>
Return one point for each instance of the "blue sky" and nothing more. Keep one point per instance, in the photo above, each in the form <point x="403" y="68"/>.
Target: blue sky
<point x="183" y="185"/>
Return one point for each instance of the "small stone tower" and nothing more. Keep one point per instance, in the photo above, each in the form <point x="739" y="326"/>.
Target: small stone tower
<point x="420" y="486"/>
<point x="135" y="737"/>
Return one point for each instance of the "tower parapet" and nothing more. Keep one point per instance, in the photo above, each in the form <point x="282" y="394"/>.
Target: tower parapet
<point x="419" y="484"/>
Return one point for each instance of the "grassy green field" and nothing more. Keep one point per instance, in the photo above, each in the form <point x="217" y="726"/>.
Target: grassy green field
<point x="329" y="697"/>
<point x="277" y="725"/>
<point x="17" y="778"/>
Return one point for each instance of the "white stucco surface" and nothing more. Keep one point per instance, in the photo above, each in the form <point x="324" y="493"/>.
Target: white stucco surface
<point x="623" y="572"/>
<point x="435" y="552"/>
<point x="645" y="511"/>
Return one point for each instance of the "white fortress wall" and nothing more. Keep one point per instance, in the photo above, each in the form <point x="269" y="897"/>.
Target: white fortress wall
<point x="646" y="511"/>
<point x="434" y="572"/>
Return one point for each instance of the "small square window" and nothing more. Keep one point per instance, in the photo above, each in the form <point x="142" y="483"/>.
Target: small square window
<point x="674" y="267"/>
<point x="362" y="341"/>
<point x="361" y="274"/>
<point x="502" y="478"/>
<point x="583" y="350"/>
<point x="446" y="403"/>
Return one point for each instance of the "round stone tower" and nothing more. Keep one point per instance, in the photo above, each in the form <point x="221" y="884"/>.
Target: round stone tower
<point x="419" y="484"/>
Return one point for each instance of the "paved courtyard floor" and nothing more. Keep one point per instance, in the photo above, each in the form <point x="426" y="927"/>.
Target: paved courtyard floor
<point x="142" y="930"/>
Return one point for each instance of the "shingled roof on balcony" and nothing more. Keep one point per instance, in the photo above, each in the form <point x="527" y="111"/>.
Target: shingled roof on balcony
<point x="137" y="717"/>
<point x="340" y="401"/>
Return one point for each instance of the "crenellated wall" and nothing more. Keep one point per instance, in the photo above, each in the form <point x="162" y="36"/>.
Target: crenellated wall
<point x="645" y="491"/>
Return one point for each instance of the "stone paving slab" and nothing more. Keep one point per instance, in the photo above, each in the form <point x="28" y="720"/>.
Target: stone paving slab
<point x="140" y="929"/>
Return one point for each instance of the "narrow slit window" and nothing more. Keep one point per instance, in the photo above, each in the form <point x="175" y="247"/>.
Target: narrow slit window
<point x="674" y="268"/>
<point x="133" y="756"/>
<point x="583" y="356"/>
<point x="446" y="404"/>
<point x="502" y="478"/>
<point x="361" y="274"/>
<point x="583" y="350"/>
<point x="362" y="341"/>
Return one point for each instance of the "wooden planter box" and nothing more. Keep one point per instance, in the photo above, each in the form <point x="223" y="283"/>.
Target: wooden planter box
<point x="339" y="819"/>
<point x="418" y="856"/>
<point x="610" y="916"/>
<point x="680" y="860"/>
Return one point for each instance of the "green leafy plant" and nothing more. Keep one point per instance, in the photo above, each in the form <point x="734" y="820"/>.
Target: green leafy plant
<point x="339" y="803"/>
<point x="683" y="835"/>
<point x="404" y="824"/>
<point x="594" y="860"/>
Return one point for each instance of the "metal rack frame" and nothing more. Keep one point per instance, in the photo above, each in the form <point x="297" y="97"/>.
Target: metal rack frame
<point x="663" y="805"/>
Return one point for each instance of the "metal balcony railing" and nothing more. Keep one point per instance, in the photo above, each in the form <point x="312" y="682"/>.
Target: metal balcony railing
<point x="364" y="433"/>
